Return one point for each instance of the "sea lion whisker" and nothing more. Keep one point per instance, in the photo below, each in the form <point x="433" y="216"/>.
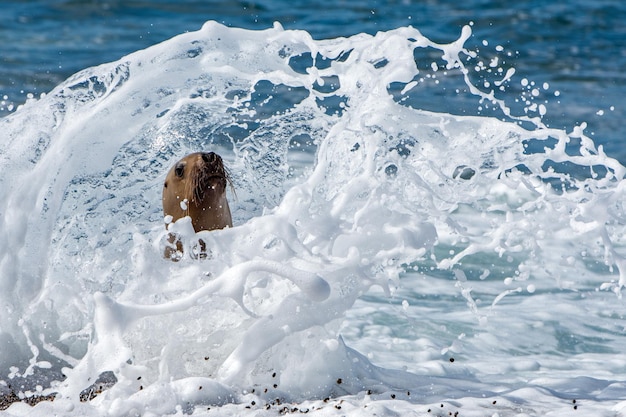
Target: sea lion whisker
<point x="229" y="180"/>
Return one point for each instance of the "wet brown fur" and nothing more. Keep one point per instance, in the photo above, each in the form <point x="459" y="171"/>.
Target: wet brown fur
<point x="203" y="184"/>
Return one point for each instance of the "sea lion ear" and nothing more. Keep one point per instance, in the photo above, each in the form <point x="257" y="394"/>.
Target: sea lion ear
<point x="180" y="169"/>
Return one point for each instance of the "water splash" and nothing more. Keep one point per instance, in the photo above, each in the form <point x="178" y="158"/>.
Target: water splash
<point x="342" y="185"/>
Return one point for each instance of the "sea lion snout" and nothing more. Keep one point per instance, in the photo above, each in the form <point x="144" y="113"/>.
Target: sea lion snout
<point x="209" y="175"/>
<point x="210" y="157"/>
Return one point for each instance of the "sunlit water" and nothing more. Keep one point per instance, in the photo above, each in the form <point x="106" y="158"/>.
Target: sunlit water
<point x="387" y="255"/>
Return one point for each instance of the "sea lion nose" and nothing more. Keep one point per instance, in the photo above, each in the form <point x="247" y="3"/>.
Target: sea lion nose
<point x="208" y="157"/>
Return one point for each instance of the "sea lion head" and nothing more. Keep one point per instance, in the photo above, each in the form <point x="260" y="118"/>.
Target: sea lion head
<point x="196" y="187"/>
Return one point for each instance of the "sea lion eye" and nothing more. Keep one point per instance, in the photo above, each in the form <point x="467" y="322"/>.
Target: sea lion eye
<point x="179" y="170"/>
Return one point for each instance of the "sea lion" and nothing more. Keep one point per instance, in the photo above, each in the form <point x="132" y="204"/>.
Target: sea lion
<point x="196" y="187"/>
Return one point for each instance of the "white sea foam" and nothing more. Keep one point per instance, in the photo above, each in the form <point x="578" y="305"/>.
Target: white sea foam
<point x="439" y="246"/>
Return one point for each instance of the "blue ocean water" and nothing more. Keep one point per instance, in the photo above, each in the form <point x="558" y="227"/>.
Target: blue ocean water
<point x="578" y="47"/>
<point x="386" y="240"/>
